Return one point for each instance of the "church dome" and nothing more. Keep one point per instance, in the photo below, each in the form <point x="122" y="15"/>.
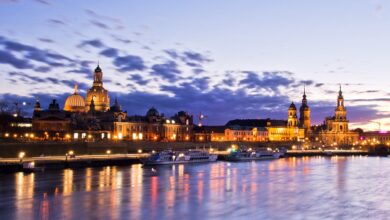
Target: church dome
<point x="292" y="106"/>
<point x="75" y="102"/>
<point x="152" y="112"/>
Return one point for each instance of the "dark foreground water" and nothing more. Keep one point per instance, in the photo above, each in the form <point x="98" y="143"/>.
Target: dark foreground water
<point x="293" y="188"/>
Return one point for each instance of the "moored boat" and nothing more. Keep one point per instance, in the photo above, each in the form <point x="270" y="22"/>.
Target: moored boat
<point x="29" y="167"/>
<point x="171" y="157"/>
<point x="246" y="155"/>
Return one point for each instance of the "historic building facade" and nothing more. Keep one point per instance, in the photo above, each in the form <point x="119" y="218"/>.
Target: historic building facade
<point x="93" y="119"/>
<point x="335" y="130"/>
<point x="97" y="96"/>
<point x="304" y="113"/>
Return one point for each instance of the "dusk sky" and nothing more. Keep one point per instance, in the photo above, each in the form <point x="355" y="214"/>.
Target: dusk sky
<point x="225" y="58"/>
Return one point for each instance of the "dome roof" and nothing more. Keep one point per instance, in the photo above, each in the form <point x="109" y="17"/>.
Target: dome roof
<point x="98" y="69"/>
<point x="292" y="106"/>
<point x="75" y="102"/>
<point x="152" y="112"/>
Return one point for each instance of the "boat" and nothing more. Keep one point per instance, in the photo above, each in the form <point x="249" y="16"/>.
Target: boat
<point x="170" y="157"/>
<point x="245" y="155"/>
<point x="29" y="167"/>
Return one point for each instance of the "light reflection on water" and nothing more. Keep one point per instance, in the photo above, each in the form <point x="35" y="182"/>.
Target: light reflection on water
<point x="293" y="188"/>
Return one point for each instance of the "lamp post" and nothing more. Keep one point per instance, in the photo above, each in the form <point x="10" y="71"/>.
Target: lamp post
<point x="108" y="152"/>
<point x="21" y="156"/>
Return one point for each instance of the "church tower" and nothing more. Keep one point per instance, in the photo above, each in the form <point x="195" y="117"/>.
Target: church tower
<point x="97" y="93"/>
<point x="292" y="120"/>
<point x="340" y="122"/>
<point x="304" y="113"/>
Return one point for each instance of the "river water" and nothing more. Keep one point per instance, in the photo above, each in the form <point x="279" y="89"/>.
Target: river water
<point x="291" y="188"/>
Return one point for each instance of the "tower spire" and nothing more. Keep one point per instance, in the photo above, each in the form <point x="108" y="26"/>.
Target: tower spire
<point x="76" y="88"/>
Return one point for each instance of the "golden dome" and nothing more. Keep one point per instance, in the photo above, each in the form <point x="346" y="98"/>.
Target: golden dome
<point x="75" y="102"/>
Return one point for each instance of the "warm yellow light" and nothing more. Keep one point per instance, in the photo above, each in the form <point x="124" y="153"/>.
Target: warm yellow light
<point x="153" y="151"/>
<point x="6" y="135"/>
<point x="108" y="152"/>
<point x="21" y="155"/>
<point x="89" y="136"/>
<point x="31" y="135"/>
<point x="67" y="136"/>
<point x="139" y="151"/>
<point x="71" y="152"/>
<point x="26" y="134"/>
<point x="15" y="135"/>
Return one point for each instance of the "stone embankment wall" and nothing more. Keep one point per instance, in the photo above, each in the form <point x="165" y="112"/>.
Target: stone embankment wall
<point x="34" y="149"/>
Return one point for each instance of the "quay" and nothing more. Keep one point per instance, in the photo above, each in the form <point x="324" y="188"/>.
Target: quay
<point x="10" y="165"/>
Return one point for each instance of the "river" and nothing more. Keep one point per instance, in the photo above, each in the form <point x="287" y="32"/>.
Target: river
<point x="292" y="188"/>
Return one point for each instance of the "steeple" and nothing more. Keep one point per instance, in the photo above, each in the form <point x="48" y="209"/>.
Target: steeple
<point x="340" y="98"/>
<point x="98" y="77"/>
<point x="304" y="100"/>
<point x="75" y="89"/>
<point x="304" y="112"/>
<point x="37" y="106"/>
<point x="292" y="120"/>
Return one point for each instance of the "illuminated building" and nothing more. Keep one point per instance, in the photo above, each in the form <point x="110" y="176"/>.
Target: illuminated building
<point x="75" y="102"/>
<point x="155" y="127"/>
<point x="304" y="113"/>
<point x="335" y="130"/>
<point x="97" y="95"/>
<point x="240" y="133"/>
<point x="51" y="123"/>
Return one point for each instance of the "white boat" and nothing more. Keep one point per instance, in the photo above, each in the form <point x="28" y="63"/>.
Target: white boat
<point x="171" y="157"/>
<point x="29" y="167"/>
<point x="241" y="155"/>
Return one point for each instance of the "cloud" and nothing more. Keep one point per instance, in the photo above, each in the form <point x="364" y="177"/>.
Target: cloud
<point x="100" y="24"/>
<point x="138" y="79"/>
<point x="190" y="58"/>
<point x="168" y="70"/>
<point x="56" y="22"/>
<point x="120" y="39"/>
<point x="110" y="52"/>
<point x="267" y="80"/>
<point x="93" y="43"/>
<point x="46" y="40"/>
<point x="8" y="58"/>
<point x="43" y="2"/>
<point x="29" y="52"/>
<point x="98" y="18"/>
<point x="129" y="63"/>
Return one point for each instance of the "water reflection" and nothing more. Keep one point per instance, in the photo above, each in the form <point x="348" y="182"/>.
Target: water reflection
<point x="305" y="187"/>
<point x="24" y="192"/>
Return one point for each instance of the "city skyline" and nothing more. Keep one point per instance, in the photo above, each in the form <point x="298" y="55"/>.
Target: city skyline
<point x="152" y="58"/>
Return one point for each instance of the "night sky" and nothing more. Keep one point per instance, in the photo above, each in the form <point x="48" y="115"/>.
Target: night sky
<point x="225" y="58"/>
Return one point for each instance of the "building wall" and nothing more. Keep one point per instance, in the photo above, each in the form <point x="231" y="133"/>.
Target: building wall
<point x="246" y="135"/>
<point x="152" y="131"/>
<point x="285" y="133"/>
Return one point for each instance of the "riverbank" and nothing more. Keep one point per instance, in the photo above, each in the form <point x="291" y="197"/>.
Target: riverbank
<point x="62" y="162"/>
<point x="53" y="148"/>
<point x="11" y="165"/>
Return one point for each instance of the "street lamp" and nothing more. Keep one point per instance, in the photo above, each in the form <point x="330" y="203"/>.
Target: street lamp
<point x="21" y="156"/>
<point x="139" y="151"/>
<point x="108" y="152"/>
